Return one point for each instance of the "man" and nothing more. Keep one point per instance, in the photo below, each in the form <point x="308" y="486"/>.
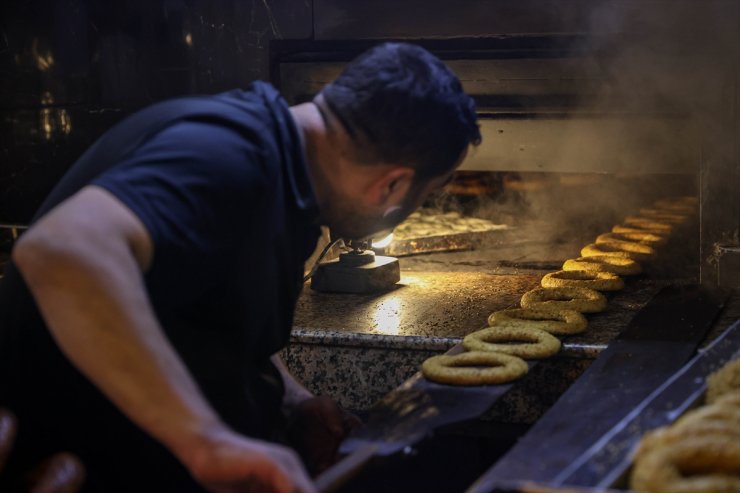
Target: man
<point x="146" y="303"/>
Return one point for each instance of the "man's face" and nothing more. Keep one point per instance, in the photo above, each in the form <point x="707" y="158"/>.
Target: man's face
<point x="348" y="219"/>
<point x="349" y="216"/>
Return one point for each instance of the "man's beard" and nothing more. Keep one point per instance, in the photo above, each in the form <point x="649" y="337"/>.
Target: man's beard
<point x="346" y="220"/>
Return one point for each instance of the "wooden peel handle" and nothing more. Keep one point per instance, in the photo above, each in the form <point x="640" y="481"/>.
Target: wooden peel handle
<point x="344" y="470"/>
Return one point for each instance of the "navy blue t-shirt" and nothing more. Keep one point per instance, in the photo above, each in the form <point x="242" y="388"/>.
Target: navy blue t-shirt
<point x="222" y="187"/>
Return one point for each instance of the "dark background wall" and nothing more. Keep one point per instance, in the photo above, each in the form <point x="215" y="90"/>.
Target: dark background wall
<point x="72" y="68"/>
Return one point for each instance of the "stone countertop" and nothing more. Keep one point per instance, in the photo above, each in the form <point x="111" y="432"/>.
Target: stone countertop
<point x="430" y="304"/>
<point x="435" y="310"/>
<point x="444" y="296"/>
<point x="359" y="347"/>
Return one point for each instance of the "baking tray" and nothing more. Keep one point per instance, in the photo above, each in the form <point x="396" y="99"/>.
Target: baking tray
<point x="442" y="243"/>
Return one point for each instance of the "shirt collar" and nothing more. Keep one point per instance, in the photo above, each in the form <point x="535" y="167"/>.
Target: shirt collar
<point x="292" y="153"/>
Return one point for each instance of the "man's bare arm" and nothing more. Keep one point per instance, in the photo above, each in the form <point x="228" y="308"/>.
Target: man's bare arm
<point x="83" y="264"/>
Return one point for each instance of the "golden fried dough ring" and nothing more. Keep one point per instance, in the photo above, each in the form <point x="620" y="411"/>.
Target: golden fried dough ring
<point x="646" y="238"/>
<point x="562" y="322"/>
<point x="647" y="223"/>
<point x="604" y="263"/>
<point x="683" y="209"/>
<point x="668" y="436"/>
<point x="724" y="380"/>
<point x="600" y="281"/>
<point x="634" y="229"/>
<point x="730" y="399"/>
<point x="677" y="203"/>
<point x="667" y="215"/>
<point x="634" y="251"/>
<point x="616" y="246"/>
<point x="463" y="368"/>
<point x="724" y="413"/>
<point x="582" y="300"/>
<point x="535" y="343"/>
<point x="693" y="464"/>
<point x="628" y="246"/>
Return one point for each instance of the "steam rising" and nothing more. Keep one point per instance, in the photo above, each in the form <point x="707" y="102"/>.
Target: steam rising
<point x="674" y="63"/>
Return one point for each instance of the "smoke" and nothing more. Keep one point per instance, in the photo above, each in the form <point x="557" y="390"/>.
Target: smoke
<point x="657" y="97"/>
<point x="679" y="55"/>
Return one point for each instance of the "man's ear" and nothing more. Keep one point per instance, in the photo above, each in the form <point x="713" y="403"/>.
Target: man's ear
<point x="392" y="186"/>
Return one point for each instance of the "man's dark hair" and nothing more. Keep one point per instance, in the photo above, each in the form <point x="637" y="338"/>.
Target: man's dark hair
<point x="401" y="104"/>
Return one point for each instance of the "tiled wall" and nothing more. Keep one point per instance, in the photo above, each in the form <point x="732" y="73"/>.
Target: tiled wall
<point x="72" y="68"/>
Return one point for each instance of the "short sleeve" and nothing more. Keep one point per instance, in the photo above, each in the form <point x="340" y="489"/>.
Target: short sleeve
<point x="192" y="185"/>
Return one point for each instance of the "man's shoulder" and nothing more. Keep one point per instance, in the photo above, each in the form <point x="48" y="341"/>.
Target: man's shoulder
<point x="257" y="115"/>
<point x="252" y="111"/>
<point x="259" y="103"/>
<point x="229" y="126"/>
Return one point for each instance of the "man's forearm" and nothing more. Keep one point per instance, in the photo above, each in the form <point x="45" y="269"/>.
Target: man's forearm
<point x="90" y="292"/>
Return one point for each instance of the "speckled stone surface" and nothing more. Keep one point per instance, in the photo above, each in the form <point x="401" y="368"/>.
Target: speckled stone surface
<point x="358" y="368"/>
<point x="355" y="376"/>
<point x="437" y="309"/>
<point x="359" y="347"/>
<point x="430" y="304"/>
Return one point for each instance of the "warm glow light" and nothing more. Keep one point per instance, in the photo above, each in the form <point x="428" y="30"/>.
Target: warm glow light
<point x="384" y="242"/>
<point x="189" y="39"/>
<point x="65" y="122"/>
<point x="53" y="120"/>
<point x="47" y="122"/>
<point x="44" y="61"/>
<point x="387" y="316"/>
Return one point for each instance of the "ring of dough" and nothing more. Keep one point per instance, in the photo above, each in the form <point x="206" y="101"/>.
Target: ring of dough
<point x="464" y="368"/>
<point x="645" y="238"/>
<point x="533" y="343"/>
<point x="647" y="223"/>
<point x="634" y="251"/>
<point x="668" y="436"/>
<point x="676" y="207"/>
<point x="559" y="322"/>
<point x="694" y="464"/>
<point x="604" y="263"/>
<point x="731" y="399"/>
<point x="704" y="414"/>
<point x="678" y="203"/>
<point x="600" y="281"/>
<point x="584" y="300"/>
<point x="633" y="229"/>
<point x="724" y="380"/>
<point x="667" y="215"/>
<point x="646" y="251"/>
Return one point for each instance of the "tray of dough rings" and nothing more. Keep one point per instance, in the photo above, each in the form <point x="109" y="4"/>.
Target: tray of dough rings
<point x="427" y="231"/>
<point x="410" y="412"/>
<point x="684" y="437"/>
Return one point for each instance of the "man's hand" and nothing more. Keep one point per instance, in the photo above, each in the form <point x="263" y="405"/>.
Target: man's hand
<point x="83" y="263"/>
<point x="227" y="462"/>
<point x="318" y="425"/>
